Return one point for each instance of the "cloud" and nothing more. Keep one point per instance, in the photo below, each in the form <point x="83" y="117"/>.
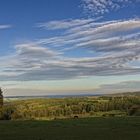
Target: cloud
<point x="4" y="26"/>
<point x="28" y="69"/>
<point x="127" y="86"/>
<point x="100" y="7"/>
<point x="106" y="37"/>
<point x="94" y="32"/>
<point x="63" y="24"/>
<point x="117" y="43"/>
<point x="32" y="50"/>
<point x="27" y="57"/>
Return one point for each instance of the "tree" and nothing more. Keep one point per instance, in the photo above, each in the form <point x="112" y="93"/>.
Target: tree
<point x="1" y="98"/>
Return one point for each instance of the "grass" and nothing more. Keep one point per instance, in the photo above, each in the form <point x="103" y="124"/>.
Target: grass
<point x="127" y="128"/>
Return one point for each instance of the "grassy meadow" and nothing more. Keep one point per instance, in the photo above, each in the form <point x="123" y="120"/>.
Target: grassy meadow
<point x="118" y="128"/>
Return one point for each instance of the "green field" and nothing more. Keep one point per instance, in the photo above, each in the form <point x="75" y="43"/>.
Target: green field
<point x="117" y="128"/>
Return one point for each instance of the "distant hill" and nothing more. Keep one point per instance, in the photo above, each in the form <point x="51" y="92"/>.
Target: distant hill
<point x="137" y="93"/>
<point x="75" y="95"/>
<point x="53" y="96"/>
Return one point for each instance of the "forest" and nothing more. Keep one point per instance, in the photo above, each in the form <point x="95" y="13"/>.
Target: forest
<point x="78" y="107"/>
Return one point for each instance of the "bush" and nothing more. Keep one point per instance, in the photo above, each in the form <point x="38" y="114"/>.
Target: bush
<point x="6" y="113"/>
<point x="134" y="110"/>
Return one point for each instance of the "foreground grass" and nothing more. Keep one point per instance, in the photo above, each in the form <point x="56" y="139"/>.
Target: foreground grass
<point x="81" y="129"/>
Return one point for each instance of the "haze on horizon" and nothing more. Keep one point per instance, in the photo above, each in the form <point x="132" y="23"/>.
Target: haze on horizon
<point x="69" y="46"/>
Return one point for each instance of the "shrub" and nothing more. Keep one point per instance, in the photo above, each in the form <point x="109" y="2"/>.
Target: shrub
<point x="134" y="110"/>
<point x="6" y="113"/>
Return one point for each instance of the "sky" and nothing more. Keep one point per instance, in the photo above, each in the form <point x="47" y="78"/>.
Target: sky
<point x="52" y="47"/>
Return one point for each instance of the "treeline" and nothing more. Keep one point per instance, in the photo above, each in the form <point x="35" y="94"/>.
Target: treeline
<point x="1" y="98"/>
<point x="70" y="107"/>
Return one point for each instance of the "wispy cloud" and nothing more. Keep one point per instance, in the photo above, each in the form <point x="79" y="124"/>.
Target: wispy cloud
<point x="127" y="86"/>
<point x="4" y="26"/>
<point x="107" y="37"/>
<point x="44" y="59"/>
<point x="20" y="68"/>
<point x="64" y="24"/>
<point x="104" y="31"/>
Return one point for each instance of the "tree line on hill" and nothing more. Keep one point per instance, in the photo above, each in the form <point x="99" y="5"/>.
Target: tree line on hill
<point x="70" y="107"/>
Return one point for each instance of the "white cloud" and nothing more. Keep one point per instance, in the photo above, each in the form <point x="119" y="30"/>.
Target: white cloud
<point x="109" y="36"/>
<point x="57" y="68"/>
<point x="63" y="24"/>
<point x="100" y="7"/>
<point x="45" y="59"/>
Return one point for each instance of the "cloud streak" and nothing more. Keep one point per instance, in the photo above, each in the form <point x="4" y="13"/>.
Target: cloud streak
<point x="63" y="24"/>
<point x="127" y="86"/>
<point x="5" y="26"/>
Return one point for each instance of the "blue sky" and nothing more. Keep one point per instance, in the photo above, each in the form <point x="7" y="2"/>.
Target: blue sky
<point x="69" y="46"/>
